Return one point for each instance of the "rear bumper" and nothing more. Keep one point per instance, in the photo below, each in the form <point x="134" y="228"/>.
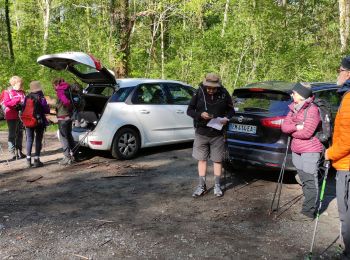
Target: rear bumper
<point x="90" y="139"/>
<point x="260" y="157"/>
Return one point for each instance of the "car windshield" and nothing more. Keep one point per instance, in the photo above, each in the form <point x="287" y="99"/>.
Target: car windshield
<point x="121" y="95"/>
<point x="260" y="102"/>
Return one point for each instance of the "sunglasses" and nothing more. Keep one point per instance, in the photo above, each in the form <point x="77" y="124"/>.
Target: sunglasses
<point x="341" y="70"/>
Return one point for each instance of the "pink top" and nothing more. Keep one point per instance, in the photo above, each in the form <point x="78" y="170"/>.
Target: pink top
<point x="303" y="141"/>
<point x="12" y="98"/>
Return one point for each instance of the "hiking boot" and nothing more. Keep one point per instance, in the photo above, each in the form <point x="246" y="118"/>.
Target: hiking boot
<point x="217" y="190"/>
<point x="29" y="162"/>
<point x="65" y="161"/>
<point x="38" y="163"/>
<point x="302" y="217"/>
<point x="199" y="191"/>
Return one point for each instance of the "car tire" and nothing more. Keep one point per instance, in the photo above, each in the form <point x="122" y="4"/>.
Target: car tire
<point x="126" y="144"/>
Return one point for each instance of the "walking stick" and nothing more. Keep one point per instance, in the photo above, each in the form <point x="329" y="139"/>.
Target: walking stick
<point x="326" y="165"/>
<point x="280" y="181"/>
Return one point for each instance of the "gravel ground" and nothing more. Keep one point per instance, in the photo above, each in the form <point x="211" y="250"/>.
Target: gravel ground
<point x="101" y="208"/>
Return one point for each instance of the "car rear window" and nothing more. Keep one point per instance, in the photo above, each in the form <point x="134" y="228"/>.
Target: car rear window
<point x="121" y="94"/>
<point x="247" y="101"/>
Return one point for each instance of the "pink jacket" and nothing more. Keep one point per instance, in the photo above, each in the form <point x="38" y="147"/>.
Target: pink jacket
<point x="303" y="141"/>
<point x="12" y="98"/>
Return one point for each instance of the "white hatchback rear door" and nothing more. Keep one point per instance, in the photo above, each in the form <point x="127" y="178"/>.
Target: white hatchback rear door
<point x="86" y="67"/>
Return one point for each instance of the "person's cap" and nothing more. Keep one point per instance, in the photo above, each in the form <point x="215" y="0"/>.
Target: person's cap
<point x="35" y="86"/>
<point x="302" y="90"/>
<point x="345" y="63"/>
<point x="212" y="80"/>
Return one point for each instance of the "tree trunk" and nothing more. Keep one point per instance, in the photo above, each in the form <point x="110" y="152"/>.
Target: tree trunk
<point x="46" y="6"/>
<point x="124" y="25"/>
<point x="344" y="7"/>
<point x="162" y="43"/>
<point x="8" y="28"/>
<point x="224" y="23"/>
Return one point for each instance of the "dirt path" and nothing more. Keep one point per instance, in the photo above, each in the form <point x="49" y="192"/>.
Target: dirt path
<point x="101" y="208"/>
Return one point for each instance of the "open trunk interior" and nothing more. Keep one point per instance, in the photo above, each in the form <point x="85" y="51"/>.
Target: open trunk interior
<point x="89" y="117"/>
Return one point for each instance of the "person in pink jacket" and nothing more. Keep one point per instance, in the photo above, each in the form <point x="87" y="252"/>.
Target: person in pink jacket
<point x="301" y="123"/>
<point x="13" y="99"/>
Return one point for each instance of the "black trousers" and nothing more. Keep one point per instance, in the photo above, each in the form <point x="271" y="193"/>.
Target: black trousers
<point x="36" y="133"/>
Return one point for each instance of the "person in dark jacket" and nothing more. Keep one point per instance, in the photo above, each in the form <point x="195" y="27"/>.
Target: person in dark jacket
<point x="301" y="123"/>
<point x="64" y="110"/>
<point x="37" y="132"/>
<point x="211" y="103"/>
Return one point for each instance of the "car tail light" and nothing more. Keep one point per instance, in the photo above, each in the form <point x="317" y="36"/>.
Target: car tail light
<point x="273" y="122"/>
<point x="256" y="89"/>
<point x="96" y="61"/>
<point x="96" y="142"/>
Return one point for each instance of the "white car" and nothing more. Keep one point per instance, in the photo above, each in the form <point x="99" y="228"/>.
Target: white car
<point x="124" y="115"/>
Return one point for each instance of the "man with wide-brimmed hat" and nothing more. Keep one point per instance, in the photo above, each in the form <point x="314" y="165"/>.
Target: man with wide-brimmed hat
<point x="211" y="101"/>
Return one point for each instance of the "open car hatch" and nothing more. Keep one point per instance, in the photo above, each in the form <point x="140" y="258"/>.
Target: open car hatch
<point x="86" y="67"/>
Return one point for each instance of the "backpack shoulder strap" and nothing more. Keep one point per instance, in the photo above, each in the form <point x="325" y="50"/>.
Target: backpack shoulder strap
<point x="307" y="109"/>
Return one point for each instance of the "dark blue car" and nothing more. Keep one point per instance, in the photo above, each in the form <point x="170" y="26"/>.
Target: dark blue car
<point x="254" y="134"/>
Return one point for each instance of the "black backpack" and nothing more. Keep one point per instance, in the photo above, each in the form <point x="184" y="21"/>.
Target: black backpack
<point x="324" y="130"/>
<point x="74" y="94"/>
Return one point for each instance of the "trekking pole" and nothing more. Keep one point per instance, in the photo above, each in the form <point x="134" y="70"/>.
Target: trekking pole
<point x="280" y="180"/>
<point x="326" y="165"/>
<point x="80" y="142"/>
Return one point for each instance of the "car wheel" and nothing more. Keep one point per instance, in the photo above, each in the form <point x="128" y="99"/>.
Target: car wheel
<point x="126" y="144"/>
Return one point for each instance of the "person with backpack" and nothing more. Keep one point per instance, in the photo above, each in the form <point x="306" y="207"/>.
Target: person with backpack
<point x="302" y="123"/>
<point x="339" y="154"/>
<point x="33" y="117"/>
<point x="211" y="101"/>
<point x="12" y="101"/>
<point x="64" y="111"/>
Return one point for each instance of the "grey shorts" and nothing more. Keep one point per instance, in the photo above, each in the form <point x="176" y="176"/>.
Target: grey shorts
<point x="307" y="162"/>
<point x="205" y="147"/>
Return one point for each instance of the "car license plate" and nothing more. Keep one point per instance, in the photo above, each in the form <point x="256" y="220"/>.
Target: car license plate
<point x="249" y="129"/>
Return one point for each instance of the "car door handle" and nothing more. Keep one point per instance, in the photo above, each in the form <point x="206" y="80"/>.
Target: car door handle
<point x="144" y="111"/>
<point x="180" y="111"/>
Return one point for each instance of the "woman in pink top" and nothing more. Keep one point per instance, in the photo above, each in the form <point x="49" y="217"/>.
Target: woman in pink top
<point x="13" y="99"/>
<point x="301" y="123"/>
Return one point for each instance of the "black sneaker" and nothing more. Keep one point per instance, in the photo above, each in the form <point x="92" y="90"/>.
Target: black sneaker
<point x="199" y="191"/>
<point x="38" y="163"/>
<point x="21" y="155"/>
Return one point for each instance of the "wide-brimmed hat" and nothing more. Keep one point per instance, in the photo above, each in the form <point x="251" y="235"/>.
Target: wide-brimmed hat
<point x="35" y="86"/>
<point x="212" y="80"/>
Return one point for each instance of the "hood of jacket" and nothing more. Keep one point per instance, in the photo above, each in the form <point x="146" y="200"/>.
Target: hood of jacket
<point x="345" y="88"/>
<point x="62" y="86"/>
